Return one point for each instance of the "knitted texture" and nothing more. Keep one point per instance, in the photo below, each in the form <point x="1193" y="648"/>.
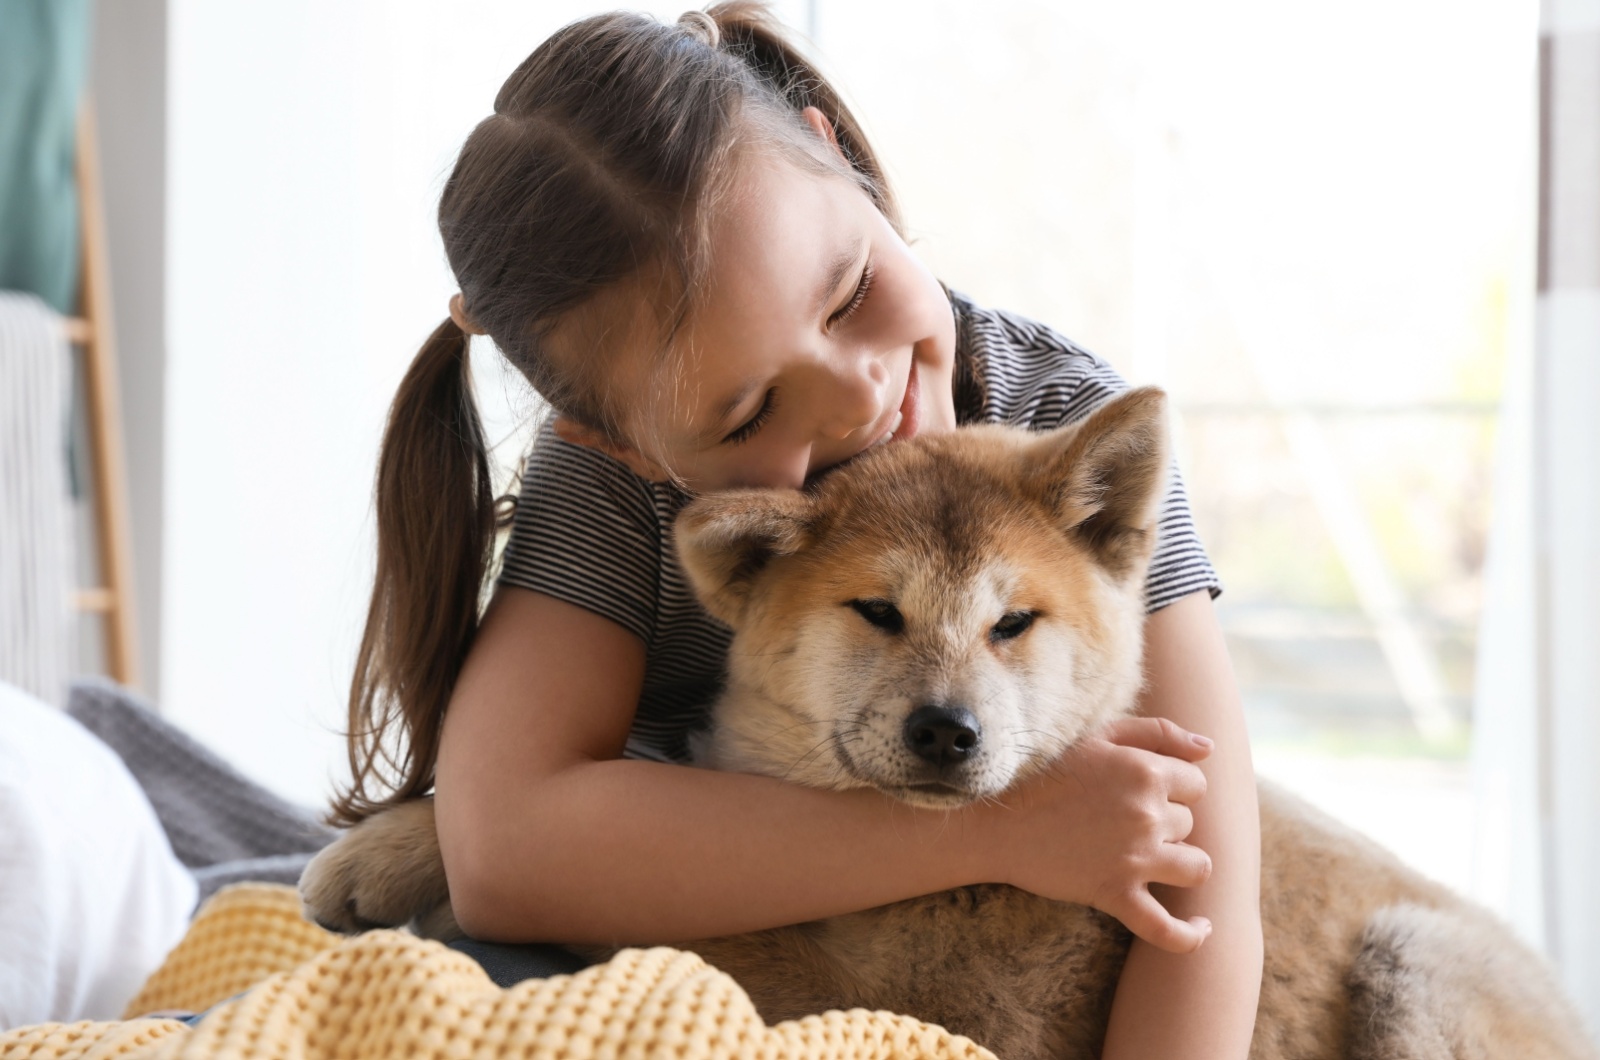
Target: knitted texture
<point x="240" y="937"/>
<point x="316" y="996"/>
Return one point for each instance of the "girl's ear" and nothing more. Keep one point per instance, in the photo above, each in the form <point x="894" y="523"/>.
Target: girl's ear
<point x="569" y="430"/>
<point x="824" y="128"/>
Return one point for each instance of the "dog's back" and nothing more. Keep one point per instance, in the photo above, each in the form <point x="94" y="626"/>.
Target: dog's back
<point x="1364" y="957"/>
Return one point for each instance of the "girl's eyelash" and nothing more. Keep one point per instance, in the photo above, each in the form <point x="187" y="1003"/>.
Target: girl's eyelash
<point x="856" y="299"/>
<point x="747" y="430"/>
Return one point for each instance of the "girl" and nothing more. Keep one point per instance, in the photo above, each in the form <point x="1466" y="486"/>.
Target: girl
<point x="682" y="239"/>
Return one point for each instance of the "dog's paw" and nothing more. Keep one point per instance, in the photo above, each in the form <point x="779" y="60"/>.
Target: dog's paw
<point x="384" y="872"/>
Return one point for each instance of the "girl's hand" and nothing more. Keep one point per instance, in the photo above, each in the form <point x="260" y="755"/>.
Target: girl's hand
<point x="1108" y="820"/>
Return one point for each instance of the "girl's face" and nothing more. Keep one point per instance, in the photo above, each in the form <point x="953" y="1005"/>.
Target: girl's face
<point x="820" y="335"/>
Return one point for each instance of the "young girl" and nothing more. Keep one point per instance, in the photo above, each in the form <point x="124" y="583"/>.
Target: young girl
<point x="682" y="239"/>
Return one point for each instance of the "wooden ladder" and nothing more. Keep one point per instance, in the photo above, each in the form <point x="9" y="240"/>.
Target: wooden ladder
<point x="91" y="332"/>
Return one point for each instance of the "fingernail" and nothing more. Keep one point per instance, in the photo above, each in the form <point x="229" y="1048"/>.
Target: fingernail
<point x="1200" y="741"/>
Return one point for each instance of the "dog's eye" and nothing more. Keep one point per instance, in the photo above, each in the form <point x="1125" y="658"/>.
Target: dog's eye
<point x="880" y="613"/>
<point x="1011" y="624"/>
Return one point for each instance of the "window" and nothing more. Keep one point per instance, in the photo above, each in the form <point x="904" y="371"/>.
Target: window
<point x="1313" y="226"/>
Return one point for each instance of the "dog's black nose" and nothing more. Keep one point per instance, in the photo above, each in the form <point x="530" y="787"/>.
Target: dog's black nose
<point x="942" y="735"/>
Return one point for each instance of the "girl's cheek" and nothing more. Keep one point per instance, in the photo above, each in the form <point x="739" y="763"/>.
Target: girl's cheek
<point x="891" y="306"/>
<point x="786" y="465"/>
<point x="774" y="463"/>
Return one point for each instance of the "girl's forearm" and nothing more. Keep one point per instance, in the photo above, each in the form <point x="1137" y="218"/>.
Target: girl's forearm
<point x="644" y="853"/>
<point x="1203" y="1004"/>
<point x="1180" y="1006"/>
<point x="613" y="851"/>
<point x="1198" y="1005"/>
<point x="547" y="834"/>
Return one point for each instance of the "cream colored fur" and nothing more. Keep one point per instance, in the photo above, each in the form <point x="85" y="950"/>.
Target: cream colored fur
<point x="961" y="534"/>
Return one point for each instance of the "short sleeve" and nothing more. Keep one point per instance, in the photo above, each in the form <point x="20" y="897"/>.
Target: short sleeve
<point x="586" y="532"/>
<point x="1180" y="565"/>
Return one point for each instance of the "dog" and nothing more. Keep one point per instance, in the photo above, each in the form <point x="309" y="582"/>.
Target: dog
<point x="938" y="620"/>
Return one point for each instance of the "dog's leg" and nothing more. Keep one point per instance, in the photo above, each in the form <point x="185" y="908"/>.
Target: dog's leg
<point x="384" y="872"/>
<point x="1452" y="985"/>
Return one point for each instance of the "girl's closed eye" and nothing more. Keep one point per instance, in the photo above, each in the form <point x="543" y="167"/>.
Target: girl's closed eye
<point x="750" y="427"/>
<point x="844" y="313"/>
<point x="747" y="430"/>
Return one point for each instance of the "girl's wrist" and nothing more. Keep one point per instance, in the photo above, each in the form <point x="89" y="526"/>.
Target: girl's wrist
<point x="953" y="848"/>
<point x="973" y="840"/>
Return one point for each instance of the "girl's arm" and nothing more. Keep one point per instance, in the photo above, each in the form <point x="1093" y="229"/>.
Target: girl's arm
<point x="1201" y="1004"/>
<point x="547" y="834"/>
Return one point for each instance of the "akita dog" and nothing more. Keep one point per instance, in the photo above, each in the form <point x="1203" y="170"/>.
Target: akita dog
<point x="937" y="620"/>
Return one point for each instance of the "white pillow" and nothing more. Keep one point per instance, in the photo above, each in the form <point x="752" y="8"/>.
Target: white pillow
<point x="91" y="896"/>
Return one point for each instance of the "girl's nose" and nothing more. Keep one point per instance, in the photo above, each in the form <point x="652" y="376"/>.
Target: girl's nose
<point x="857" y="396"/>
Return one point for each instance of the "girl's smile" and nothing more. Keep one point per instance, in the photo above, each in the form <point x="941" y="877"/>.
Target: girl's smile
<point x="818" y="335"/>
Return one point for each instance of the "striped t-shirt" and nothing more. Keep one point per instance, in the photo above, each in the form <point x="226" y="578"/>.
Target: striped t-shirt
<point x="592" y="533"/>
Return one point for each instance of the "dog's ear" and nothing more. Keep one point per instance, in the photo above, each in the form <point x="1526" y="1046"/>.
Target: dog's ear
<point x="725" y="539"/>
<point x="1105" y="477"/>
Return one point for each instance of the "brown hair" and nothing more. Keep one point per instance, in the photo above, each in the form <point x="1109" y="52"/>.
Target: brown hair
<point x="603" y="158"/>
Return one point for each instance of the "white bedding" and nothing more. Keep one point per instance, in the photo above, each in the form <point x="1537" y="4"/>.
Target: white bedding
<point x="91" y="896"/>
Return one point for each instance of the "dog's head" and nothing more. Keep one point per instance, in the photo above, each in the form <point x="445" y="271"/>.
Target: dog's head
<point x="941" y="616"/>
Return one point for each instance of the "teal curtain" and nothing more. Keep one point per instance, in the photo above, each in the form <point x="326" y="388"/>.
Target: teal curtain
<point x="44" y="54"/>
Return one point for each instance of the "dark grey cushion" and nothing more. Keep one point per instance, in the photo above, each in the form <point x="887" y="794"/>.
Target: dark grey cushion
<point x="213" y="815"/>
<point x="509" y="965"/>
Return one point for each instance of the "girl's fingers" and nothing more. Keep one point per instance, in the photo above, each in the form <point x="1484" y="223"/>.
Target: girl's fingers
<point x="1149" y="920"/>
<point x="1180" y="822"/>
<point x="1159" y="735"/>
<point x="1186" y="783"/>
<point x="1182" y="865"/>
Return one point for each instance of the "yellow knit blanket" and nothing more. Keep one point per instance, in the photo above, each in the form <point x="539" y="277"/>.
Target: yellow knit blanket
<point x="307" y="994"/>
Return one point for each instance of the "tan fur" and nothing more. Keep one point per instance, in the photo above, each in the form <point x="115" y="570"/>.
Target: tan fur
<point x="1364" y="958"/>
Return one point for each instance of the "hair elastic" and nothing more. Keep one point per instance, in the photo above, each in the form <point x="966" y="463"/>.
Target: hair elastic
<point x="702" y="27"/>
<point x="458" y="313"/>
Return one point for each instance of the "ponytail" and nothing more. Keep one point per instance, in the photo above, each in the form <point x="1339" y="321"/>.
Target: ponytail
<point x="436" y="521"/>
